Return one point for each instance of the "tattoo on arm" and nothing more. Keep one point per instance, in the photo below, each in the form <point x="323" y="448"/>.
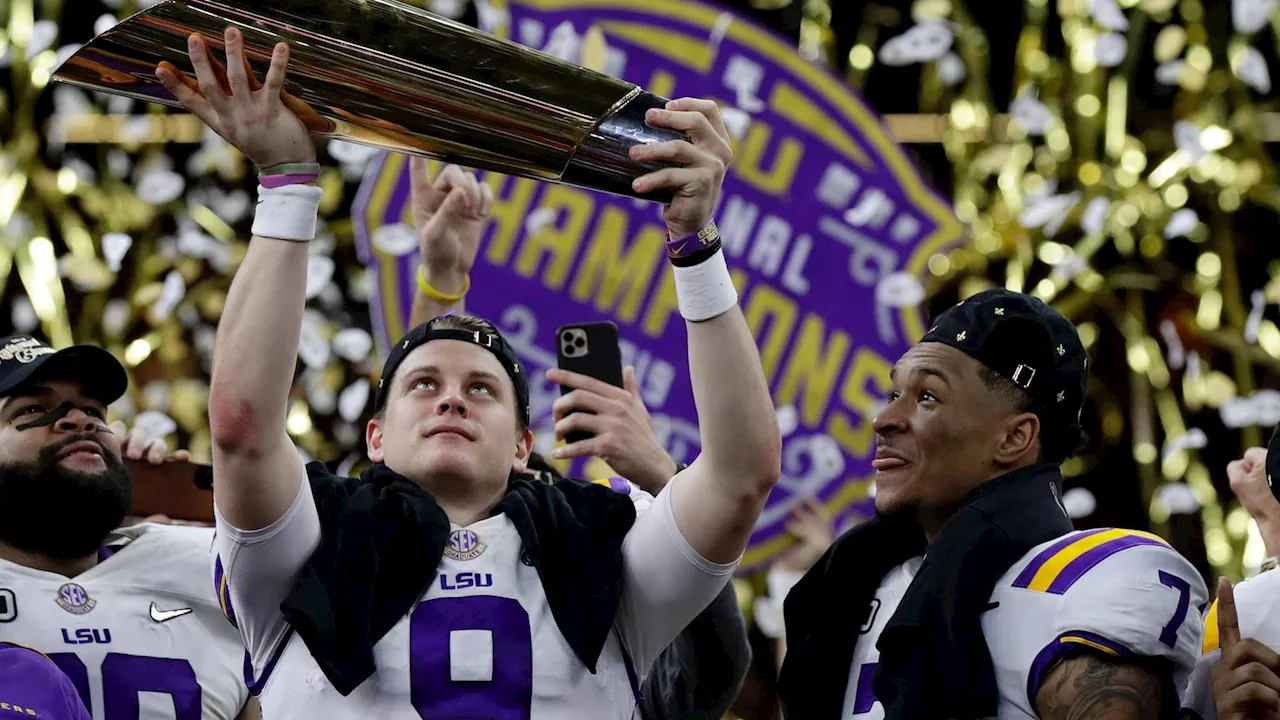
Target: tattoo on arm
<point x="1090" y="687"/>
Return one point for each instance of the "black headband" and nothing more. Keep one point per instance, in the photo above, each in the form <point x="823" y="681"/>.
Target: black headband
<point x="489" y="340"/>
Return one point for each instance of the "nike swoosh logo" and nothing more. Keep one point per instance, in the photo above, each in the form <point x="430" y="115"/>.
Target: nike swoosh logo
<point x="989" y="607"/>
<point x="162" y="615"/>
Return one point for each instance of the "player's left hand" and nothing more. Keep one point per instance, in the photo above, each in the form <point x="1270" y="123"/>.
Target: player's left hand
<point x="703" y="162"/>
<point x="138" y="445"/>
<point x="620" y="422"/>
<point x="810" y="524"/>
<point x="1246" y="681"/>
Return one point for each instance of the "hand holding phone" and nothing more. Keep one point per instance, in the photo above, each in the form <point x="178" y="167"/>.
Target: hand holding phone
<point x="589" y="349"/>
<point x="179" y="489"/>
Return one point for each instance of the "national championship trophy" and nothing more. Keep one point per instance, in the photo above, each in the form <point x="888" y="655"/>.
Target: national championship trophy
<point x="381" y="73"/>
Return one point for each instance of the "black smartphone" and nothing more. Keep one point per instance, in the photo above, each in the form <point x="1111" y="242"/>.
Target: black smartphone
<point x="589" y="349"/>
<point x="177" y="488"/>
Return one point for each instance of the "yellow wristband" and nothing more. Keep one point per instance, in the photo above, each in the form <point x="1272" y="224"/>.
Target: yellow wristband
<point x="438" y="296"/>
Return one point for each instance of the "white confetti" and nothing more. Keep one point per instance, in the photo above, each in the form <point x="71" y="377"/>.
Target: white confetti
<point x="115" y="317"/>
<point x="920" y="43"/>
<point x="312" y="347"/>
<point x="156" y="396"/>
<point x="788" y="419"/>
<point x="1095" y="215"/>
<point x="160" y="186"/>
<point x="1188" y="137"/>
<point x="352" y="399"/>
<point x="118" y="163"/>
<point x="1110" y="49"/>
<point x="43" y="33"/>
<point x="120" y="105"/>
<point x="1108" y="14"/>
<point x="535" y="221"/>
<point x="71" y="101"/>
<point x="155" y="424"/>
<point x="899" y="290"/>
<point x="104" y="23"/>
<point x="1048" y="214"/>
<point x="396" y="239"/>
<point x="319" y="274"/>
<point x="1177" y="498"/>
<point x="1177" y="353"/>
<point x="231" y="207"/>
<point x="1193" y="439"/>
<point x="114" y="247"/>
<point x="951" y="69"/>
<point x="452" y="9"/>
<point x="735" y="121"/>
<point x="490" y="16"/>
<point x="64" y="53"/>
<point x="175" y="288"/>
<point x="1031" y="114"/>
<point x="1261" y="409"/>
<point x="1181" y="222"/>
<point x="24" y="315"/>
<point x="351" y="153"/>
<point x="1251" y="67"/>
<point x="1258" y="301"/>
<point x="1167" y="73"/>
<point x="1250" y="16"/>
<point x="353" y="344"/>
<point x="1079" y="503"/>
<point x="136" y="128"/>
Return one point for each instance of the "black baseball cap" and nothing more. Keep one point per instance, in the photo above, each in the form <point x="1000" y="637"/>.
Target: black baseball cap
<point x="489" y="339"/>
<point x="1026" y="341"/>
<point x="25" y="359"/>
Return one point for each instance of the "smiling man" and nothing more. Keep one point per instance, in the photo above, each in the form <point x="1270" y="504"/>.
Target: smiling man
<point x="969" y="596"/>
<point x="127" y="615"/>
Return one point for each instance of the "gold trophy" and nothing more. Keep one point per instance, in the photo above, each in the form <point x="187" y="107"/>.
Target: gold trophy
<point x="381" y="73"/>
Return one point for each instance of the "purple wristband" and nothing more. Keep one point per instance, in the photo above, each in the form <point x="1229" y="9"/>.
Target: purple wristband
<point x="275" y="181"/>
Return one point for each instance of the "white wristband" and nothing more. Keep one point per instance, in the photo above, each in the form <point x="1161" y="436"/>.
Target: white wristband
<point x="705" y="290"/>
<point x="288" y="212"/>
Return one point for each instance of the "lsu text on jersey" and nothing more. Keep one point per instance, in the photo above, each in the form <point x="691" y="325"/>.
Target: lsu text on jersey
<point x="139" y="634"/>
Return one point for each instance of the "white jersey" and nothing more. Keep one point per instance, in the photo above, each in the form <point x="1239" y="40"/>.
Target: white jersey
<point x="1118" y="592"/>
<point x="481" y="642"/>
<point x="1258" y="609"/>
<point x="859" y="699"/>
<point x="139" y="634"/>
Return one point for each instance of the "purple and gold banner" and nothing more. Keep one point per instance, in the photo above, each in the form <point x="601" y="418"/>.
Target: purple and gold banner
<point x="825" y="222"/>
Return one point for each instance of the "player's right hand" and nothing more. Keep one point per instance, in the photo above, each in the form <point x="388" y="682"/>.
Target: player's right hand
<point x="450" y="215"/>
<point x="253" y="119"/>
<point x="1248" y="477"/>
<point x="1246" y="681"/>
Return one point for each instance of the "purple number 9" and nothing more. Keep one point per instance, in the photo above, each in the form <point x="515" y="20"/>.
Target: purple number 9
<point x="124" y="676"/>
<point x="449" y="688"/>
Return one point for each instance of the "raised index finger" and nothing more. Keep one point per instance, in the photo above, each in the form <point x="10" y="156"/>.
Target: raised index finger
<point x="1228" y="621"/>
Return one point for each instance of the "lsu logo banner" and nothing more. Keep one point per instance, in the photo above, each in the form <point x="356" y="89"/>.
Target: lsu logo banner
<point x="825" y="224"/>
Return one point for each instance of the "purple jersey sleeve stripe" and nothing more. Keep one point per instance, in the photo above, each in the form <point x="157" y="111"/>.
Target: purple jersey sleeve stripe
<point x="1090" y="559"/>
<point x="617" y="484"/>
<point x="1067" y="644"/>
<point x="222" y="590"/>
<point x="255" y="685"/>
<point x="1029" y="572"/>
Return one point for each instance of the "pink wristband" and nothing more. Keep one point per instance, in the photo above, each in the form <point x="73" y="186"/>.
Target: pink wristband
<point x="275" y="181"/>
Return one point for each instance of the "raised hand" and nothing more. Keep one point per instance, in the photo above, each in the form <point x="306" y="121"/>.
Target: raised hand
<point x="138" y="445"/>
<point x="450" y="216"/>
<point x="1246" y="681"/>
<point x="810" y="524"/>
<point x="1248" y="477"/>
<point x="620" y="422"/>
<point x="703" y="163"/>
<point x="252" y="117"/>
